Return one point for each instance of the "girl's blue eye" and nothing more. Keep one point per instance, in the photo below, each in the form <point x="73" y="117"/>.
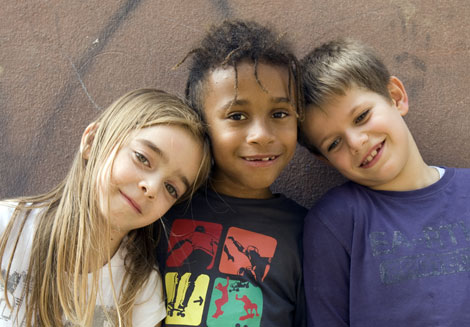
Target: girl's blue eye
<point x="171" y="190"/>
<point x="333" y="145"/>
<point x="280" y="114"/>
<point x="237" y="116"/>
<point x="141" y="158"/>
<point x="362" y="116"/>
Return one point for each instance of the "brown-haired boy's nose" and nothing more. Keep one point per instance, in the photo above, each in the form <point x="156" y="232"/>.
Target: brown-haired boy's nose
<point x="356" y="140"/>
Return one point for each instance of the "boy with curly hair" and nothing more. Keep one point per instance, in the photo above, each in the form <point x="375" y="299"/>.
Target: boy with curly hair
<point x="234" y="253"/>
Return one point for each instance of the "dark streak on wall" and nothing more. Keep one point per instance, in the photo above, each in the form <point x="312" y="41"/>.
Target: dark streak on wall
<point x="81" y="68"/>
<point x="62" y="61"/>
<point x="223" y="8"/>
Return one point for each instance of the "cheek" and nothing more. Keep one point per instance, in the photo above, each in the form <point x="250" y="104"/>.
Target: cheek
<point x="221" y="140"/>
<point x="340" y="161"/>
<point x="122" y="171"/>
<point x="161" y="207"/>
<point x="288" y="136"/>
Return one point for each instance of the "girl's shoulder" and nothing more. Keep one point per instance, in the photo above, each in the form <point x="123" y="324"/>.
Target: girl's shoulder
<point x="7" y="207"/>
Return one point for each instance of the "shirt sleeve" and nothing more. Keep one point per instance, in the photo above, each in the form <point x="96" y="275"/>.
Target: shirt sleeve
<point x="150" y="307"/>
<point x="300" y="314"/>
<point x="326" y="274"/>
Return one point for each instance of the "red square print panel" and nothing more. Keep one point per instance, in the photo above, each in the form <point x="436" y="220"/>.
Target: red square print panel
<point x="193" y="241"/>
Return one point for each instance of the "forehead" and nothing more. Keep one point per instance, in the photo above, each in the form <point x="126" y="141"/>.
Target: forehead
<point x="178" y="145"/>
<point x="165" y="135"/>
<point x="223" y="83"/>
<point x="341" y="104"/>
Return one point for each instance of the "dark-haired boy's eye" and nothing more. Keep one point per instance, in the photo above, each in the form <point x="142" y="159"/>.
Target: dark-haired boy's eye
<point x="141" y="158"/>
<point x="333" y="145"/>
<point x="237" y="116"/>
<point x="280" y="114"/>
<point x="361" y="117"/>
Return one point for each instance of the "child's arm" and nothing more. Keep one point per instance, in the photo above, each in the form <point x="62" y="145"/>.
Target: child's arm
<point x="150" y="307"/>
<point x="326" y="274"/>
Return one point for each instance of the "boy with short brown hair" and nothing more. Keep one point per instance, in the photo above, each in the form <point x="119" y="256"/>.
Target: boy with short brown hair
<point x="391" y="246"/>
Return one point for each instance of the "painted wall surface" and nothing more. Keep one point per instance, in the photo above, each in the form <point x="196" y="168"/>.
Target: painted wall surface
<point x="61" y="62"/>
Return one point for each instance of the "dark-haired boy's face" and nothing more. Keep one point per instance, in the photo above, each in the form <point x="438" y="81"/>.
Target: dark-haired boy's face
<point x="254" y="137"/>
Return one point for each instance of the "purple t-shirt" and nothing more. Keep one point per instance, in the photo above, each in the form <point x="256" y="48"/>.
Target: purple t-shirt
<point x="384" y="258"/>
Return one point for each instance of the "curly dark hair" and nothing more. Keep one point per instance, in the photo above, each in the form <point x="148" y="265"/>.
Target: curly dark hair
<point x="230" y="43"/>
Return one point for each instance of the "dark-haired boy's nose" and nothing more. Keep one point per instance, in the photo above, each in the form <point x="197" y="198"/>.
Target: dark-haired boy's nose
<point x="260" y="132"/>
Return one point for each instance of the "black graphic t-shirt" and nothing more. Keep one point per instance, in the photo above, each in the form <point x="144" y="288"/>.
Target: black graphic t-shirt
<point x="233" y="262"/>
<point x="384" y="258"/>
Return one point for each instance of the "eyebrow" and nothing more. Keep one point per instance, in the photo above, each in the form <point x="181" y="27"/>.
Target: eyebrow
<point x="164" y="157"/>
<point x="241" y="102"/>
<point x="356" y="107"/>
<point x="154" y="148"/>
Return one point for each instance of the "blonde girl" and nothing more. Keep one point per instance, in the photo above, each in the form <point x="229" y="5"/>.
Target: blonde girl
<point x="83" y="253"/>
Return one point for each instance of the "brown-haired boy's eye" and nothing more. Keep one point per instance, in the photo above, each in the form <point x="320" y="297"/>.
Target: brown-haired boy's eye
<point x="333" y="145"/>
<point x="362" y="116"/>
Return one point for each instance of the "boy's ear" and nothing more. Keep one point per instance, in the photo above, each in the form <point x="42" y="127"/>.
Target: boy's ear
<point x="87" y="140"/>
<point x="398" y="94"/>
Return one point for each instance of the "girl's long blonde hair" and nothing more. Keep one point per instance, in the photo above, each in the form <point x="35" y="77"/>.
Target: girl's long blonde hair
<point x="69" y="240"/>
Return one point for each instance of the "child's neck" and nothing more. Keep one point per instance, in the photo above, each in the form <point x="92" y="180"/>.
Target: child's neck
<point x="239" y="191"/>
<point x="419" y="177"/>
<point x="115" y="242"/>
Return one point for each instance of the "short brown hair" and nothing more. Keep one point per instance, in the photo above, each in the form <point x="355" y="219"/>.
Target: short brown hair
<point x="336" y="66"/>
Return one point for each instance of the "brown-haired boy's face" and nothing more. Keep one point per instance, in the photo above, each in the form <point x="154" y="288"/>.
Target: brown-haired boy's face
<point x="254" y="137"/>
<point x="364" y="136"/>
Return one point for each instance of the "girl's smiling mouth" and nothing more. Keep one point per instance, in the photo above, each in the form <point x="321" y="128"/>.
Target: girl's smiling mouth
<point x="131" y="202"/>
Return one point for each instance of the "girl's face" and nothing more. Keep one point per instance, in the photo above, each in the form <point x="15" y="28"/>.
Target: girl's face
<point x="150" y="172"/>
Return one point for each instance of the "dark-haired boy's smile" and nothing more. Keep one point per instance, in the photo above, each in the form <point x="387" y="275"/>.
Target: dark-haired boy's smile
<point x="261" y="160"/>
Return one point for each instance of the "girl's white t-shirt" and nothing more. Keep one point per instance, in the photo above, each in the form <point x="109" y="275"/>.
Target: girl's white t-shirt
<point x="149" y="308"/>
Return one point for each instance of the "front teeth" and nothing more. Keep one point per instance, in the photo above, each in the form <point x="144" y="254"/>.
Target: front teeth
<point x="261" y="159"/>
<point x="371" y="156"/>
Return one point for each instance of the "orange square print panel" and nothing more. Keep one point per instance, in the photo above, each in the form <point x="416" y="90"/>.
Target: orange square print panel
<point x="248" y="254"/>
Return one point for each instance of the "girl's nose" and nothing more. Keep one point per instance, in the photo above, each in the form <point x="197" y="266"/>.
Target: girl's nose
<point x="149" y="187"/>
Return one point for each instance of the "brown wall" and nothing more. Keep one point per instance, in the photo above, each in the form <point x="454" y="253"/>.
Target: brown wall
<point x="61" y="61"/>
